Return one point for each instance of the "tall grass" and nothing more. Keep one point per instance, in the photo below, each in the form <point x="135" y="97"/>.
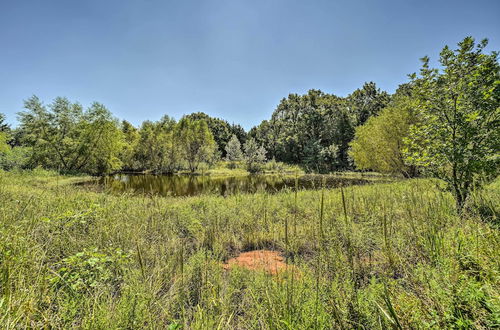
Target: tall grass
<point x="376" y="256"/>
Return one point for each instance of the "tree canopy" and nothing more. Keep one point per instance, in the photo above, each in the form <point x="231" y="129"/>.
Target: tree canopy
<point x="221" y="130"/>
<point x="68" y="138"/>
<point x="233" y="149"/>
<point x="379" y="143"/>
<point x="314" y="130"/>
<point x="457" y="134"/>
<point x="198" y="144"/>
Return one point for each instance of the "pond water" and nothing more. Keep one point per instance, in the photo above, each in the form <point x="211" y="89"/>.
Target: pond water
<point x="190" y="185"/>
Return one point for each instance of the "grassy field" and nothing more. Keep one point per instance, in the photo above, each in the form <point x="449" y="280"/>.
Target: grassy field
<point x="390" y="255"/>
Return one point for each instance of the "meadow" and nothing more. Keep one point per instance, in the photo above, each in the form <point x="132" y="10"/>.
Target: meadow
<point x="385" y="255"/>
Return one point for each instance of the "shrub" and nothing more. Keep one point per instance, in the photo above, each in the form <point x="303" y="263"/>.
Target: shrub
<point x="90" y="270"/>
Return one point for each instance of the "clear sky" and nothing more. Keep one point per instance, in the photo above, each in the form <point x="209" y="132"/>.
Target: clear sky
<point x="233" y="59"/>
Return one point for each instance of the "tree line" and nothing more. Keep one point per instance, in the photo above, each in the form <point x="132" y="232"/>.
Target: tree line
<point x="443" y="122"/>
<point x="314" y="130"/>
<point x="66" y="137"/>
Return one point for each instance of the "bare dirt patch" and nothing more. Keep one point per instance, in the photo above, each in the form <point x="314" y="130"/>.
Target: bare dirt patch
<point x="269" y="261"/>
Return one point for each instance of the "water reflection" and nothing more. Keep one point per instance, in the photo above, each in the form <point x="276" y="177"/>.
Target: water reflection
<point x="190" y="185"/>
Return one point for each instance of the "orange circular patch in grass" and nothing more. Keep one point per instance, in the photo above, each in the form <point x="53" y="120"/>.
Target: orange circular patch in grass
<point x="269" y="261"/>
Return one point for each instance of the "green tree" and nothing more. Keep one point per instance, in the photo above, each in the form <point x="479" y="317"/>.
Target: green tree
<point x="302" y="127"/>
<point x="265" y="135"/>
<point x="457" y="136"/>
<point x="65" y="137"/>
<point x="197" y="142"/>
<point x="12" y="155"/>
<point x="16" y="157"/>
<point x="131" y="139"/>
<point x="314" y="130"/>
<point x="239" y="131"/>
<point x="145" y="153"/>
<point x="221" y="130"/>
<point x="159" y="146"/>
<point x="233" y="149"/>
<point x="255" y="155"/>
<point x="98" y="141"/>
<point x="171" y="150"/>
<point x="379" y="143"/>
<point x="366" y="102"/>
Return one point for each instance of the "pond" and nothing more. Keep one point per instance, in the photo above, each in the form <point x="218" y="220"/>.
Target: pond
<point x="191" y="185"/>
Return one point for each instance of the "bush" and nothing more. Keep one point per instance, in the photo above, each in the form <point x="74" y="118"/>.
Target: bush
<point x="274" y="166"/>
<point x="255" y="167"/>
<point x="90" y="270"/>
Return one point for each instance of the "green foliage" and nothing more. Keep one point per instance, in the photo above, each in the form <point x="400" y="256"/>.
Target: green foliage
<point x="4" y="147"/>
<point x="273" y="166"/>
<point x="67" y="138"/>
<point x="377" y="256"/>
<point x="159" y="147"/>
<point x="366" y="102"/>
<point x="255" y="156"/>
<point x="305" y="125"/>
<point x="233" y="149"/>
<point x="457" y="135"/>
<point x="197" y="142"/>
<point x="378" y="144"/>
<point x="221" y="130"/>
<point x="89" y="271"/>
<point x="130" y="140"/>
<point x="166" y="146"/>
<point x="314" y="130"/>
<point x="15" y="158"/>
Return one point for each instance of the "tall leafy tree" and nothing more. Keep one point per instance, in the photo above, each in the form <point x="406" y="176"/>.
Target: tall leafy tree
<point x="457" y="137"/>
<point x="145" y="153"/>
<point x="233" y="149"/>
<point x="65" y="137"/>
<point x="130" y="139"/>
<point x="197" y="142"/>
<point x="312" y="130"/>
<point x="159" y="146"/>
<point x="379" y="143"/>
<point x="170" y="146"/>
<point x="264" y="134"/>
<point x="366" y="102"/>
<point x="239" y="131"/>
<point x="221" y="130"/>
<point x="96" y="142"/>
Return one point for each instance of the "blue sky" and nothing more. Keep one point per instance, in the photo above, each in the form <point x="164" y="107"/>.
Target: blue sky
<point x="233" y="59"/>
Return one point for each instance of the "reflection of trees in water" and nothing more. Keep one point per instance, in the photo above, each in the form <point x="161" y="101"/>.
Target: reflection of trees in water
<point x="189" y="185"/>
